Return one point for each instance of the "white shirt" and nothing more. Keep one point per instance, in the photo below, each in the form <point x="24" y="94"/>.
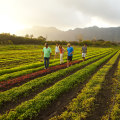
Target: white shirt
<point x="56" y="49"/>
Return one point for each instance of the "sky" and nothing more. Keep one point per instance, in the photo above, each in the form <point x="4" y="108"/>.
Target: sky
<point x="62" y="14"/>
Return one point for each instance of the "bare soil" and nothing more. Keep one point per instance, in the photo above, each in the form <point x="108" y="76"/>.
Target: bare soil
<point x="63" y="101"/>
<point x="103" y="99"/>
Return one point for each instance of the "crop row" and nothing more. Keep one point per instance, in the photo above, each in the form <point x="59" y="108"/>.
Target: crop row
<point x="38" y="64"/>
<point x="32" y="107"/>
<point x="5" y="85"/>
<point x="24" y="72"/>
<point x="115" y="113"/>
<point x="9" y="83"/>
<point x="32" y="86"/>
<point x="24" y="67"/>
<point x="19" y="71"/>
<point x="7" y="61"/>
<point x="19" y="58"/>
<point x="28" y="71"/>
<point x="16" y="58"/>
<point x="82" y="106"/>
<point x="23" y="53"/>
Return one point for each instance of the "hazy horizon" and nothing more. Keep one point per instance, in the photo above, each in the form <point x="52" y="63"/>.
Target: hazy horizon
<point x="63" y="14"/>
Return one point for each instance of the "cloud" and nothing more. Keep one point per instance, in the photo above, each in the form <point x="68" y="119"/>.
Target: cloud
<point x="62" y="13"/>
<point x="108" y="10"/>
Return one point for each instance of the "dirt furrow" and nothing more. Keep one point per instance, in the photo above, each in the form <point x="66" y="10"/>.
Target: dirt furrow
<point x="104" y="98"/>
<point x="60" y="104"/>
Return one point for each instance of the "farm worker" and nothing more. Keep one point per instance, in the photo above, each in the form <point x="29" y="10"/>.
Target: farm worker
<point x="56" y="50"/>
<point x="61" y="49"/>
<point x="70" y="54"/>
<point x="84" y="51"/>
<point x="47" y="55"/>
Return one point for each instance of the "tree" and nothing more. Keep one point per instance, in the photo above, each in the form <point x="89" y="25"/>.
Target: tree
<point x="41" y="38"/>
<point x="31" y="36"/>
<point x="27" y="36"/>
<point x="10" y="42"/>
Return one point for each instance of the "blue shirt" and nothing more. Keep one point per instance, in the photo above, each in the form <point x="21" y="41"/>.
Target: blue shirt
<point x="70" y="49"/>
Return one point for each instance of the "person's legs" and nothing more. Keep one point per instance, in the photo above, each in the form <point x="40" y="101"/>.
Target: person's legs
<point x="45" y="62"/>
<point x="67" y="63"/>
<point x="83" y="57"/>
<point x="61" y="58"/>
<point x="71" y="60"/>
<point x="68" y="60"/>
<point x="56" y="55"/>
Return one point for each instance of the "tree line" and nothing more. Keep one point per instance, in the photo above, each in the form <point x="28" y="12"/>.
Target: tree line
<point x="8" y="39"/>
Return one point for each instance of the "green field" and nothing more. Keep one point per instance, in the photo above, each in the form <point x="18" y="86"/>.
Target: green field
<point x="87" y="90"/>
<point x="16" y="55"/>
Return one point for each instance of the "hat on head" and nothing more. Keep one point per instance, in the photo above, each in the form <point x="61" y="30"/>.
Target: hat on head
<point x="68" y="44"/>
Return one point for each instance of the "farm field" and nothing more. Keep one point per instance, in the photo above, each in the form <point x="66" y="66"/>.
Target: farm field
<point x="87" y="90"/>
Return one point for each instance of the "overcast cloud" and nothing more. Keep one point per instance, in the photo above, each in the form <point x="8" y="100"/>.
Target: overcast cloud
<point x="63" y="14"/>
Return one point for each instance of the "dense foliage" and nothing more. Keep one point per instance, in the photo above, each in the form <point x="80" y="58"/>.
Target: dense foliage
<point x="6" y="38"/>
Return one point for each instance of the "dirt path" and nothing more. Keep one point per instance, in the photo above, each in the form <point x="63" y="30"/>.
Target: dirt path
<point x="103" y="99"/>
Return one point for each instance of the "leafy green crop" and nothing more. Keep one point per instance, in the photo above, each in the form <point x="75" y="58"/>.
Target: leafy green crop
<point x="81" y="106"/>
<point x="32" y="107"/>
<point x="24" y="90"/>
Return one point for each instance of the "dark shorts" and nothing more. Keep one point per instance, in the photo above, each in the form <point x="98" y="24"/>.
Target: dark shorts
<point x="56" y="52"/>
<point x="69" y="58"/>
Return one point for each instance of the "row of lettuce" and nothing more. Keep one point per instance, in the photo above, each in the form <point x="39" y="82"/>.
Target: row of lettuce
<point x="23" y="57"/>
<point x="31" y="108"/>
<point x="26" y="89"/>
<point x="22" y="54"/>
<point x="19" y="71"/>
<point x="4" y="85"/>
<point x="17" y="58"/>
<point x="38" y="64"/>
<point x="115" y="112"/>
<point x="80" y="108"/>
<point x="13" y="59"/>
<point x="24" y="67"/>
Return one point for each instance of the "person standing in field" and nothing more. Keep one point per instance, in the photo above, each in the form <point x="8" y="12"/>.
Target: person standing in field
<point x="84" y="51"/>
<point x="70" y="54"/>
<point x="61" y="49"/>
<point x="47" y="55"/>
<point x="56" y="50"/>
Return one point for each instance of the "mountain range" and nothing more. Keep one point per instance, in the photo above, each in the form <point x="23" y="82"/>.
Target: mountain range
<point x="89" y="33"/>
